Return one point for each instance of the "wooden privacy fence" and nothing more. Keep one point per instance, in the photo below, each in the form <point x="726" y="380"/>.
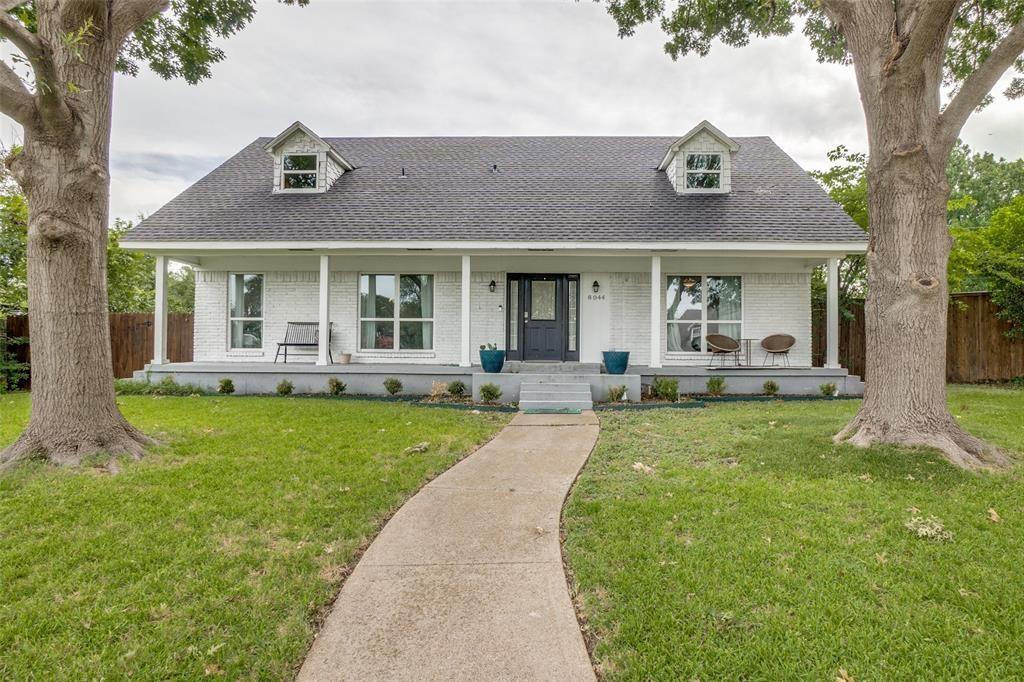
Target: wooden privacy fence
<point x="131" y="339"/>
<point x="977" y="348"/>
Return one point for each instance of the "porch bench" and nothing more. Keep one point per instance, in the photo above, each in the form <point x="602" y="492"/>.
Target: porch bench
<point x="303" y="335"/>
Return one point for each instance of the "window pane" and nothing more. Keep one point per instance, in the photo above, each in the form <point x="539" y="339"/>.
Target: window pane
<point x="246" y="296"/>
<point x="377" y="335"/>
<point x="704" y="162"/>
<point x="684" y="336"/>
<point x="732" y="330"/>
<point x="376" y="296"/>
<point x="416" y="296"/>
<point x="300" y="180"/>
<point x="246" y="334"/>
<point x="416" y="335"/>
<point x="574" y="286"/>
<point x="683" y="297"/>
<point x="300" y="162"/>
<point x="724" y="298"/>
<point x="702" y="180"/>
<point x="542" y="300"/>
<point x="513" y="314"/>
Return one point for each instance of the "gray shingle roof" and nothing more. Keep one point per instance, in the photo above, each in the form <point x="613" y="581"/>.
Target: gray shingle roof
<point x="592" y="189"/>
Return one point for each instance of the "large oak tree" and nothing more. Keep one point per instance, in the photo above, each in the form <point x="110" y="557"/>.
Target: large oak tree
<point x="60" y="89"/>
<point x="906" y="55"/>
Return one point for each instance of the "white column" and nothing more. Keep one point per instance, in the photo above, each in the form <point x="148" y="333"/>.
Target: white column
<point x="467" y="350"/>
<point x="656" y="298"/>
<point x="324" y="337"/>
<point x="832" y="315"/>
<point x="160" y="313"/>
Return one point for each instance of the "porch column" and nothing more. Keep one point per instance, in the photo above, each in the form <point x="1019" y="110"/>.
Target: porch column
<point x="160" y="313"/>
<point x="467" y="352"/>
<point x="832" y="315"/>
<point x="323" y="348"/>
<point x="656" y="295"/>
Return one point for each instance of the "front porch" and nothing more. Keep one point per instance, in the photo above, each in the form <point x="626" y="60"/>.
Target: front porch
<point x="418" y="379"/>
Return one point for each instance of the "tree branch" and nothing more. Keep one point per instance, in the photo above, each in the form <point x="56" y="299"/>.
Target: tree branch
<point x="128" y="15"/>
<point x="26" y="41"/>
<point x="925" y="26"/>
<point x="49" y="89"/>
<point x="7" y="5"/>
<point x="15" y="99"/>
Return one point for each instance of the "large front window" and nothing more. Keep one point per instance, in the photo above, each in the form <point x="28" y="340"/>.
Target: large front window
<point x="698" y="305"/>
<point x="396" y="320"/>
<point x="245" y="311"/>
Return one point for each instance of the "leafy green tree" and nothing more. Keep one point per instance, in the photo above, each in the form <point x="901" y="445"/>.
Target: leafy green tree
<point x="181" y="291"/>
<point x="13" y="240"/>
<point x="72" y="48"/>
<point x="846" y="182"/>
<point x="130" y="275"/>
<point x="979" y="184"/>
<point x="905" y="54"/>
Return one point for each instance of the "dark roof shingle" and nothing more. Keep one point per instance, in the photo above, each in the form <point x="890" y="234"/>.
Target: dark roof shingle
<point x="588" y="189"/>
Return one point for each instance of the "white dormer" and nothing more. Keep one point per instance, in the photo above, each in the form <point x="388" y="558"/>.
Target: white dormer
<point x="700" y="162"/>
<point x="303" y="162"/>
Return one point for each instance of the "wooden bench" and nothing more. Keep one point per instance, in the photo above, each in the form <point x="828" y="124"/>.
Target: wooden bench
<point x="302" y="335"/>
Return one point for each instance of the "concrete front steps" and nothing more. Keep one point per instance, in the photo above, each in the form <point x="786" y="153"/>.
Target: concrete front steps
<point x="555" y="396"/>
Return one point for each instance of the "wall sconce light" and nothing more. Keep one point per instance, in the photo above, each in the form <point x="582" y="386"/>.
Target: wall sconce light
<point x="492" y="286"/>
<point x="596" y="287"/>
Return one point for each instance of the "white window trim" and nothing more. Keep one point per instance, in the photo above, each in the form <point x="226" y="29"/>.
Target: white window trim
<point x="720" y="172"/>
<point x="262" y="319"/>
<point x="703" y="321"/>
<point x="286" y="173"/>
<point x="396" y="319"/>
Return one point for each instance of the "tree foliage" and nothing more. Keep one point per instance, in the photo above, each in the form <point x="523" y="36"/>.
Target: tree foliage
<point x="979" y="184"/>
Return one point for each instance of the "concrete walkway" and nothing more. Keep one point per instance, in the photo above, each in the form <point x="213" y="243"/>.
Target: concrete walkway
<point x="466" y="581"/>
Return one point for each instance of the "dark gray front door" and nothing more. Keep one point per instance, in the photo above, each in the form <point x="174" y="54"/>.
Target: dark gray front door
<point x="544" y="317"/>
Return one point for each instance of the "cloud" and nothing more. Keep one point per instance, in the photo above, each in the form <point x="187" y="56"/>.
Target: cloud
<point x="480" y="68"/>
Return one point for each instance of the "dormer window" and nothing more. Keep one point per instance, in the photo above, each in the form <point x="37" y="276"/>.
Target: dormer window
<point x="703" y="171"/>
<point x="299" y="171"/>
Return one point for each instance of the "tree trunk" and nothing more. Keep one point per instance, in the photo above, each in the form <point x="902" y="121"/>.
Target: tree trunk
<point x="63" y="171"/>
<point x="908" y="250"/>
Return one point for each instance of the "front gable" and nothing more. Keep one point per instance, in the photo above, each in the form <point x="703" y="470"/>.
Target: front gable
<point x="304" y="162"/>
<point x="700" y="162"/>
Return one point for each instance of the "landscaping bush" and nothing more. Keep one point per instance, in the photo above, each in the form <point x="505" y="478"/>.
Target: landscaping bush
<point x="715" y="385"/>
<point x="490" y="392"/>
<point x="616" y="394"/>
<point x="770" y="387"/>
<point x="438" y="391"/>
<point x="665" y="388"/>
<point x="166" y="386"/>
<point x="829" y="390"/>
<point x="336" y="386"/>
<point x="457" y="388"/>
<point x="12" y="373"/>
<point x="285" y="387"/>
<point x="393" y="386"/>
<point x="225" y="386"/>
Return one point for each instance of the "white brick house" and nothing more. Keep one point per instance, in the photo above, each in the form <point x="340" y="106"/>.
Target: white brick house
<point x="417" y="251"/>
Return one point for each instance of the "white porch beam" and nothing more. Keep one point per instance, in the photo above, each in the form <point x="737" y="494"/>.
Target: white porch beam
<point x="832" y="315"/>
<point x="323" y="349"/>
<point x="655" y="311"/>
<point x="160" y="313"/>
<point x="467" y="351"/>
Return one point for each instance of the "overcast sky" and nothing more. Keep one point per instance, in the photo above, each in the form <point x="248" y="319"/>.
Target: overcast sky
<point x="548" y="67"/>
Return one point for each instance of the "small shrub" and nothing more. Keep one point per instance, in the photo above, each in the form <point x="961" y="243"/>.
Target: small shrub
<point x="770" y="387"/>
<point x="438" y="391"/>
<point x="393" y="386"/>
<point x="285" y="387"/>
<point x="616" y="394"/>
<point x="715" y="385"/>
<point x="665" y="388"/>
<point x="336" y="386"/>
<point x="457" y="388"/>
<point x="166" y="386"/>
<point x="829" y="390"/>
<point x="225" y="386"/>
<point x="929" y="528"/>
<point x="490" y="392"/>
<point x="1017" y="382"/>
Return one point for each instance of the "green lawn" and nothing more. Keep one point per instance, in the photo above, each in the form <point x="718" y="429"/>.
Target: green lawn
<point x="215" y="555"/>
<point x="758" y="550"/>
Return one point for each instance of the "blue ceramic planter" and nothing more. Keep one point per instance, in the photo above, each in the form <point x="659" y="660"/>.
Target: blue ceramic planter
<point x="492" y="360"/>
<point x="616" y="361"/>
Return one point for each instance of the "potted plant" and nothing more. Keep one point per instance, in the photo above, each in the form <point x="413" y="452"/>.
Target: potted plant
<point x="616" y="361"/>
<point x="491" y="358"/>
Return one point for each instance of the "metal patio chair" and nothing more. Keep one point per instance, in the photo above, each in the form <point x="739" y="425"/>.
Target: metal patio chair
<point x="776" y="345"/>
<point x="722" y="346"/>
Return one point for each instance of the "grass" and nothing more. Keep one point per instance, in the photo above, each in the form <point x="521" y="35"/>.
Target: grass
<point x="757" y="549"/>
<point x="217" y="554"/>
